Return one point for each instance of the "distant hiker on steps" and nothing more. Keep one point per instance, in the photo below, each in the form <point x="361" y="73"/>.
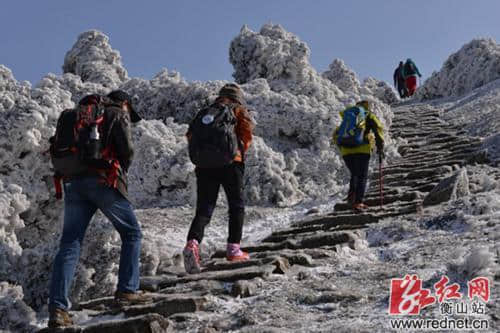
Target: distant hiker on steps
<point x="399" y="81"/>
<point x="410" y="72"/>
<point x="91" y="152"/>
<point x="219" y="137"/>
<point x="354" y="137"/>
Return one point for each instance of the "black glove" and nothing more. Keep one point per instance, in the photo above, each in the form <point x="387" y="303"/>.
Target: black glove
<point x="381" y="154"/>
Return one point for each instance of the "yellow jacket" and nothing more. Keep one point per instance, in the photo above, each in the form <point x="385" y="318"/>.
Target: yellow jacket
<point x="374" y="133"/>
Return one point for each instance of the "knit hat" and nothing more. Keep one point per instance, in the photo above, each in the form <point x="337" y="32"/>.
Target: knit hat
<point x="122" y="96"/>
<point x="232" y="91"/>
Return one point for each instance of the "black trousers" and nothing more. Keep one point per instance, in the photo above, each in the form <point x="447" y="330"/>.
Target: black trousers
<point x="403" y="92"/>
<point x="208" y="182"/>
<point x="358" y="166"/>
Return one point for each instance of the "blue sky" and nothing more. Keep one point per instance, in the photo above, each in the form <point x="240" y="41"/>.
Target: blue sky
<point x="193" y="37"/>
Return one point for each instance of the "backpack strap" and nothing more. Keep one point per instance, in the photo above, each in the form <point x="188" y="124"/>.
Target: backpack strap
<point x="58" y="185"/>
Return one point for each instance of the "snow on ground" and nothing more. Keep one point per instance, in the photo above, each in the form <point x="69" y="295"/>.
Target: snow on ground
<point x="291" y="168"/>
<point x="349" y="292"/>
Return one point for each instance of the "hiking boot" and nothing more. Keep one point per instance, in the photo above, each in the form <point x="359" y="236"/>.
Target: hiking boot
<point x="59" y="318"/>
<point x="126" y="298"/>
<point x="191" y="254"/>
<point x="234" y="253"/>
<point x="359" y="207"/>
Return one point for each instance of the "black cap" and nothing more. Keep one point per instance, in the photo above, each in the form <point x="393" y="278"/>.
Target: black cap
<point x="122" y="96"/>
<point x="90" y="99"/>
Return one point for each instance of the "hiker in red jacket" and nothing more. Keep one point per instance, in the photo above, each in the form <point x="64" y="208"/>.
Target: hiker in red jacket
<point x="410" y="72"/>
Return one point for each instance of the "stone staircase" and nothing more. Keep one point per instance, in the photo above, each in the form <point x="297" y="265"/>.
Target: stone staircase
<point x="434" y="149"/>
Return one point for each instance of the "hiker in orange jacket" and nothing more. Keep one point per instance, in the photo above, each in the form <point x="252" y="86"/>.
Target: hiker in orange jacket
<point x="209" y="180"/>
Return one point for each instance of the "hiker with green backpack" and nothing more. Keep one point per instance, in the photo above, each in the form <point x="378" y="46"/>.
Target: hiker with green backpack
<point x="91" y="153"/>
<point x="410" y="73"/>
<point x="355" y="138"/>
<point x="218" y="138"/>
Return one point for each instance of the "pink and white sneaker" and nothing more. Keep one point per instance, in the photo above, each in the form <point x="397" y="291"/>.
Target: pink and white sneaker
<point x="234" y="253"/>
<point x="191" y="254"/>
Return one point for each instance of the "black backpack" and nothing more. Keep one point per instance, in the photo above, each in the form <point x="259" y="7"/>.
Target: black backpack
<point x="213" y="142"/>
<point x="78" y="142"/>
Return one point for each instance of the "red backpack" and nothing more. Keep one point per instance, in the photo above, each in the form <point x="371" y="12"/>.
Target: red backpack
<point x="78" y="146"/>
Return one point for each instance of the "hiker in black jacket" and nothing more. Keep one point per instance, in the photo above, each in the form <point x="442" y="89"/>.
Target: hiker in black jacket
<point x="399" y="81"/>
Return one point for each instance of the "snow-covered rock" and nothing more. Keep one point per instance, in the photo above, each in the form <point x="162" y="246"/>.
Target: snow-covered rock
<point x="451" y="188"/>
<point x="379" y="89"/>
<point x="342" y="76"/>
<point x="492" y="147"/>
<point x="347" y="80"/>
<point x="474" y="65"/>
<point x="16" y="315"/>
<point x="12" y="203"/>
<point x="92" y="59"/>
<point x="478" y="262"/>
<point x="282" y="59"/>
<point x="478" y="113"/>
<point x="162" y="174"/>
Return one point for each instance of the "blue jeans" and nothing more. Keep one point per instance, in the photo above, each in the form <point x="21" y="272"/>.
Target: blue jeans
<point x="82" y="198"/>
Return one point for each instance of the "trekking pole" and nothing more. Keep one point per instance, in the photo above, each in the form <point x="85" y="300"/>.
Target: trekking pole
<point x="380" y="179"/>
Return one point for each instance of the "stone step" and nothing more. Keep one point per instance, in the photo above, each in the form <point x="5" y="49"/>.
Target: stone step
<point x="290" y="233"/>
<point x="155" y="283"/>
<point x="335" y="219"/>
<point x="387" y="207"/>
<point x="390" y="170"/>
<point x="401" y="182"/>
<point x="303" y="242"/>
<point x="416" y="129"/>
<point x="165" y="308"/>
<point x="295" y="257"/>
<point x="453" y="146"/>
<point x="408" y="123"/>
<point x="421" y="134"/>
<point x="152" y="323"/>
<point x="450" y="158"/>
<point x="401" y="178"/>
<point x="217" y="264"/>
<point x="411" y="196"/>
<point x="374" y="192"/>
<point x="282" y="235"/>
<point x="108" y="303"/>
<point x="420" y="160"/>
